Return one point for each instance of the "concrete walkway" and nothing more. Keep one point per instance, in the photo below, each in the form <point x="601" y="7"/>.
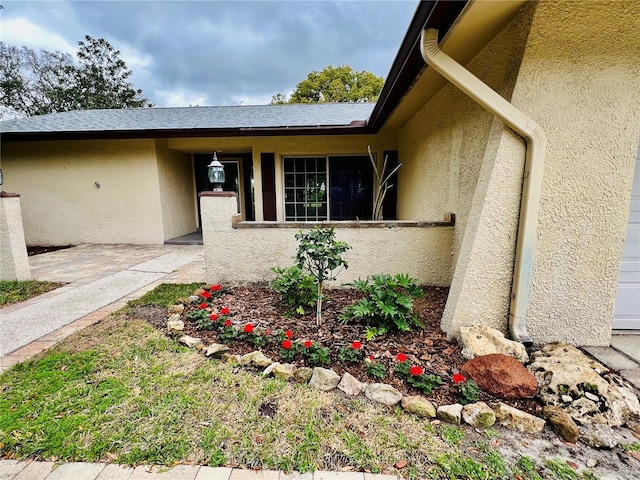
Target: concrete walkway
<point x="102" y="279"/>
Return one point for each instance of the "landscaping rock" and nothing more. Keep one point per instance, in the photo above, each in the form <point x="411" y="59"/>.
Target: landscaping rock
<point x="175" y="327"/>
<point x="582" y="387"/>
<point x="198" y="292"/>
<point x="190" y="342"/>
<point x="248" y="358"/>
<point x="562" y="423"/>
<point x="216" y="350"/>
<point x="229" y="358"/>
<point x="174" y="318"/>
<point x="419" y="406"/>
<point x="478" y="415"/>
<point x="350" y="385"/>
<point x="598" y="435"/>
<point x="261" y="361"/>
<point x="194" y="299"/>
<point x="502" y="376"/>
<point x="383" y="393"/>
<point x="269" y="370"/>
<point x="450" y="413"/>
<point x="324" y="379"/>
<point x="177" y="309"/>
<point x="285" y="371"/>
<point x="515" y="419"/>
<point x="479" y="340"/>
<point x="303" y="374"/>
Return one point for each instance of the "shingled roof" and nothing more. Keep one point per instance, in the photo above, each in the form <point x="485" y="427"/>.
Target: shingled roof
<point x="198" y="121"/>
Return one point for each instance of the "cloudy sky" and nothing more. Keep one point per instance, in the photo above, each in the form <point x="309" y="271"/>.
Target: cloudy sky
<point x="211" y="52"/>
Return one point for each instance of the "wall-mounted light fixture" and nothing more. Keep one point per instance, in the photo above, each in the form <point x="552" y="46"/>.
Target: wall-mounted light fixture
<point x="216" y="173"/>
<point x="1" y="177"/>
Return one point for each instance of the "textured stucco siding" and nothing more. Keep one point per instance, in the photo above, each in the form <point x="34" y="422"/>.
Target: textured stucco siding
<point x="62" y="205"/>
<point x="450" y="141"/>
<point x="580" y="78"/>
<point x="246" y="255"/>
<point x="177" y="191"/>
<point x="14" y="264"/>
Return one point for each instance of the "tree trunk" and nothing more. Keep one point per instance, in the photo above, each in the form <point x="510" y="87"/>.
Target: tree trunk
<point x="319" y="306"/>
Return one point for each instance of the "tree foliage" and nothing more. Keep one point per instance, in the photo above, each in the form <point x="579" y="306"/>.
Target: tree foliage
<point x="334" y="84"/>
<point x="37" y="83"/>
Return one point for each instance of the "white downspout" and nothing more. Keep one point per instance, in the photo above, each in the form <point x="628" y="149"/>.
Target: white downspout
<point x="536" y="142"/>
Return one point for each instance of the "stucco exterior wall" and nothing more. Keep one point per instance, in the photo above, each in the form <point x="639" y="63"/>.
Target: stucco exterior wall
<point x="246" y="255"/>
<point x="443" y="146"/>
<point x="580" y="78"/>
<point x="177" y="191"/>
<point x="61" y="203"/>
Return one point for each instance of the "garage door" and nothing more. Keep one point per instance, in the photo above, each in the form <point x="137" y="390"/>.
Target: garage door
<point x="627" y="311"/>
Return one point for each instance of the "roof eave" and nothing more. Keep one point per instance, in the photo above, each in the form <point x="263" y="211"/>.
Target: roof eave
<point x="356" y="128"/>
<point x="408" y="64"/>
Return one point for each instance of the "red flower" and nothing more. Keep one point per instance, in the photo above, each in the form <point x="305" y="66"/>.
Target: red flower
<point x="224" y="311"/>
<point x="203" y="305"/>
<point x="416" y="370"/>
<point x="458" y="378"/>
<point x="215" y="288"/>
<point x="213" y="317"/>
<point x="288" y="333"/>
<point x="227" y="323"/>
<point x="267" y="332"/>
<point x="206" y="295"/>
<point x="401" y="357"/>
<point x="356" y="345"/>
<point x="248" y="328"/>
<point x="286" y="344"/>
<point x="371" y="358"/>
<point x="308" y="343"/>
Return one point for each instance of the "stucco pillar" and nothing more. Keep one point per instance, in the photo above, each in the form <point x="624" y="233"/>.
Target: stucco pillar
<point x="14" y="263"/>
<point x="481" y="283"/>
<point x="218" y="210"/>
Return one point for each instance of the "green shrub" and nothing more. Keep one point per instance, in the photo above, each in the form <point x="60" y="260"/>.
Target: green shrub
<point x="387" y="303"/>
<point x="297" y="289"/>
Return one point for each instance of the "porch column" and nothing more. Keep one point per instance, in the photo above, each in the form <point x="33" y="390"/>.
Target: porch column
<point x="218" y="210"/>
<point x="14" y="263"/>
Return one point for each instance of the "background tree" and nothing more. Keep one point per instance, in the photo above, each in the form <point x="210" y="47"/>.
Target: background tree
<point x="35" y="84"/>
<point x="334" y="84"/>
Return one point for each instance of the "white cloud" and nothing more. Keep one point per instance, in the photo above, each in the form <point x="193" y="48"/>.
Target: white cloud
<point x="178" y="98"/>
<point x="20" y="31"/>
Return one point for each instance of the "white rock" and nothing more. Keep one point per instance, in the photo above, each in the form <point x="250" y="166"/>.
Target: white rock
<point x="324" y="379"/>
<point x="285" y="371"/>
<point x="383" y="393"/>
<point x="479" y="340"/>
<point x="261" y="360"/>
<point x="175" y="326"/>
<point x="450" y="413"/>
<point x="190" y="342"/>
<point x="478" y="415"/>
<point x="419" y="406"/>
<point x="515" y="419"/>
<point x="216" y="350"/>
<point x="269" y="370"/>
<point x="350" y="385"/>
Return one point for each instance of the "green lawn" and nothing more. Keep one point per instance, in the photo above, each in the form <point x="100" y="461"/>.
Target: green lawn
<point x="18" y="291"/>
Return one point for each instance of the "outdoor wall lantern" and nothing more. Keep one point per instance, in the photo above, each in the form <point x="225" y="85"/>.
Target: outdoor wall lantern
<point x="1" y="177"/>
<point x="216" y="173"/>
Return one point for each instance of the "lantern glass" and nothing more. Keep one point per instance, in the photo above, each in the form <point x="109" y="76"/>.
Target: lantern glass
<point x="216" y="173"/>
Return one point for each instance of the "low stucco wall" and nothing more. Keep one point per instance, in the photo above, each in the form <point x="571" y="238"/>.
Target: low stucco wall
<point x="247" y="254"/>
<point x="14" y="263"/>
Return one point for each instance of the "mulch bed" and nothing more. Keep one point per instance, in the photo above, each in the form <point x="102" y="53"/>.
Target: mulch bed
<point x="427" y="347"/>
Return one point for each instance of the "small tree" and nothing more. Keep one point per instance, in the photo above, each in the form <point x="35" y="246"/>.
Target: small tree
<point x="320" y="253"/>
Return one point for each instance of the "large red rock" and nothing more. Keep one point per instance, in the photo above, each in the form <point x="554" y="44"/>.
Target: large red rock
<point x="501" y="375"/>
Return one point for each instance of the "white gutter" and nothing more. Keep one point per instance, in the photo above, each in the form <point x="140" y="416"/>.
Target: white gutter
<point x="533" y="168"/>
